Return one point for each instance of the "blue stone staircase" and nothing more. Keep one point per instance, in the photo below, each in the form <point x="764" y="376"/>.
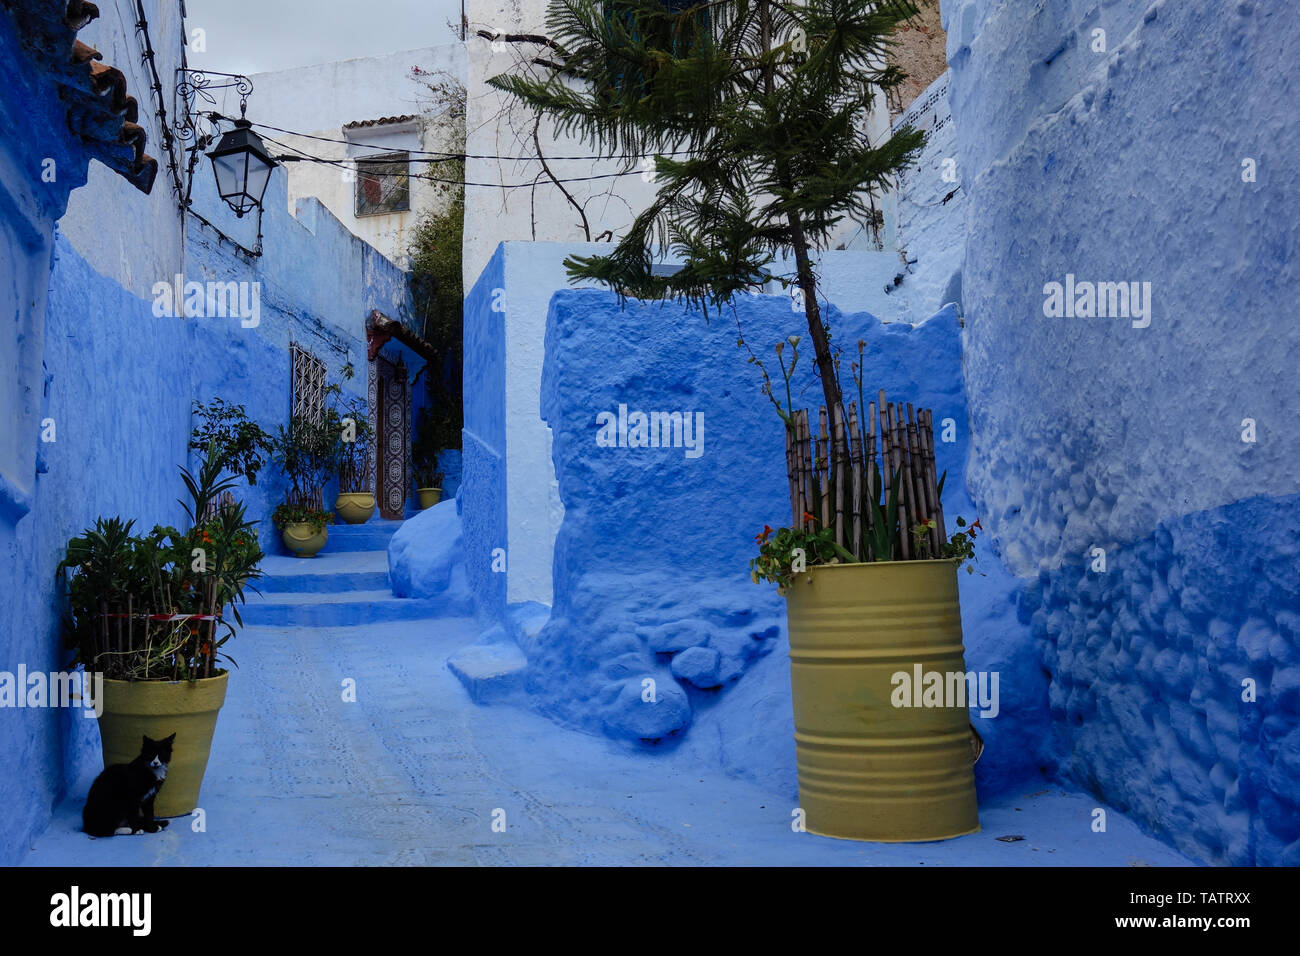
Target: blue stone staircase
<point x="345" y="584"/>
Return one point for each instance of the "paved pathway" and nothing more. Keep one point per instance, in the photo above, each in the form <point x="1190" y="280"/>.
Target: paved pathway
<point x="414" y="773"/>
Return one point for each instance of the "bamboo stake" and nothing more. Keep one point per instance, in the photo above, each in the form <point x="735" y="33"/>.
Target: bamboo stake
<point x="790" y="460"/>
<point x="931" y="486"/>
<point x="798" y="469"/>
<point x="839" y="445"/>
<point x="886" y="463"/>
<point x="914" y="471"/>
<point x="913" y="502"/>
<point x="923" y="474"/>
<point x="934" y="478"/>
<point x="900" y="465"/>
<point x="823" y="468"/>
<point x="868" y="467"/>
<point x="855" y="469"/>
<point x="800" y="479"/>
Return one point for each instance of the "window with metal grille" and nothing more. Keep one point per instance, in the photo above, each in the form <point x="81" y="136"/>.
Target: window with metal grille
<point x="383" y="184"/>
<point x="308" y="385"/>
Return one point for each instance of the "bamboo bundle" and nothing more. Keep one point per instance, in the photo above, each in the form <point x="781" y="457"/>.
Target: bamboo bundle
<point x="831" y="475"/>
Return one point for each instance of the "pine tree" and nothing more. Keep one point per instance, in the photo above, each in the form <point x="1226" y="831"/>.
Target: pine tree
<point x="753" y="111"/>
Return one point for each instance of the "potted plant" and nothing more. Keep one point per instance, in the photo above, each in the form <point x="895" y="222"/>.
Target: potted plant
<point x="241" y="444"/>
<point x="869" y="575"/>
<point x="428" y="482"/>
<point x="356" y="499"/>
<point x="151" y="614"/>
<point x="306" y="451"/>
<point x="429" y="441"/>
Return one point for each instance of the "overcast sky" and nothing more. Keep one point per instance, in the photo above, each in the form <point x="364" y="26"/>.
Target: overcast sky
<point x="254" y="36"/>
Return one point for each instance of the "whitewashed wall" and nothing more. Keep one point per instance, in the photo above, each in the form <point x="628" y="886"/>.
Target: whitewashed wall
<point x="929" y="230"/>
<point x="496" y="126"/>
<point x="320" y="100"/>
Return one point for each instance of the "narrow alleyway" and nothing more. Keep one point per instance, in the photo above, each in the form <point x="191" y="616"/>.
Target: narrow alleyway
<point x="413" y="772"/>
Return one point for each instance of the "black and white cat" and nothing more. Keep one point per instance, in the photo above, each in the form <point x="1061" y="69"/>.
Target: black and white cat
<point x="121" y="798"/>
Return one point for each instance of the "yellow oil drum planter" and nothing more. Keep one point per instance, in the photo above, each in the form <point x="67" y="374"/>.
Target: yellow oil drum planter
<point x="136" y="709"/>
<point x="868" y="769"/>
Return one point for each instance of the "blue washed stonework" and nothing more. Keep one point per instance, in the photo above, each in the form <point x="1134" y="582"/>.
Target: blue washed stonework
<point x="1166" y="441"/>
<point x="655" y="623"/>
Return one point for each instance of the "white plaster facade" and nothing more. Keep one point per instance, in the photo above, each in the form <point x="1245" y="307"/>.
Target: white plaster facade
<point x="340" y="107"/>
<point x="498" y="126"/>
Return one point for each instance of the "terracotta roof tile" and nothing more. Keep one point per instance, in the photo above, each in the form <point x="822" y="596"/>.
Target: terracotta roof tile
<point x="99" y="108"/>
<point x="382" y="121"/>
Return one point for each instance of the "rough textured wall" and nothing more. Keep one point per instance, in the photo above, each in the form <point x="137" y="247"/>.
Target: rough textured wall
<point x="930" y="207"/>
<point x="117" y="380"/>
<point x="651" y="563"/>
<point x="483" y="439"/>
<point x="30" y="739"/>
<point x="1096" y="144"/>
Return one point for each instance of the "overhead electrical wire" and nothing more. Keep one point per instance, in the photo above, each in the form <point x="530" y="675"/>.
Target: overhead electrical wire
<point x="346" y="164"/>
<point x="447" y="157"/>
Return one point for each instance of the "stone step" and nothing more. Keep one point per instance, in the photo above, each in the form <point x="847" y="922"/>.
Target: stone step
<point x="371" y="536"/>
<point x="347" y="608"/>
<point x="328" y="572"/>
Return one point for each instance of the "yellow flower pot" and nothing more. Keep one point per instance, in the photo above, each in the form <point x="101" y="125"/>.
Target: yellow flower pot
<point x="355" y="507"/>
<point x="302" y="540"/>
<point x="868" y="769"/>
<point x="158" y="709"/>
<point x="429" y="496"/>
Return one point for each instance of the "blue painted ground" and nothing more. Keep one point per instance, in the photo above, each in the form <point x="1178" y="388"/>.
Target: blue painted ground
<point x="414" y="773"/>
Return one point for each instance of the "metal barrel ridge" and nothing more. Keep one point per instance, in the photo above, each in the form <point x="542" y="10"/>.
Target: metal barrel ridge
<point x="868" y="769"/>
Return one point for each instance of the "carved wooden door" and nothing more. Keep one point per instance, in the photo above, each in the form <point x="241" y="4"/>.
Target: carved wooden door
<point x="394" y="432"/>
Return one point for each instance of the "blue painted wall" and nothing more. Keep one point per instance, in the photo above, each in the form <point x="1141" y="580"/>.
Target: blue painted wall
<point x="652" y="557"/>
<point x="1129" y="160"/>
<point x="87" y="352"/>
<point x="30" y="739"/>
<point x="483" y="503"/>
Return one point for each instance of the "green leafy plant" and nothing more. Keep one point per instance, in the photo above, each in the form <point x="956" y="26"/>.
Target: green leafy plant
<point x="785" y="552"/>
<point x="752" y="112"/>
<point x="160" y="606"/>
<point x="228" y="435"/>
<point x="436" y="427"/>
<point x="959" y="547"/>
<point x="353" y="451"/>
<point x="287" y="514"/>
<point x="306" y="452"/>
<point x="427" y="476"/>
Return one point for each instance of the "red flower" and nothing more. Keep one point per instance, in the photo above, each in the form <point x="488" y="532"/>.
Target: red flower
<point x="808" y="517"/>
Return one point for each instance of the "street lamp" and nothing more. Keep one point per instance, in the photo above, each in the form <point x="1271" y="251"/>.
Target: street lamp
<point x="242" y="167"/>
